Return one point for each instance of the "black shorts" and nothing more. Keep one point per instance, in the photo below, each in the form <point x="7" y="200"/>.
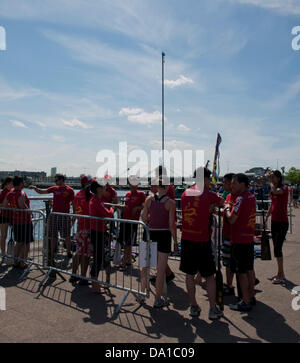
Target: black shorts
<point x="163" y="239"/>
<point x="279" y="231"/>
<point x="5" y="220"/>
<point x="242" y="258"/>
<point x="23" y="233"/>
<point x="61" y="224"/>
<point x="98" y="242"/>
<point x="197" y="257"/>
<point x="127" y="234"/>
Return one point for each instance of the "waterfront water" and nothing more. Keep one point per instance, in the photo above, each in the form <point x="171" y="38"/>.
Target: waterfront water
<point x="38" y="204"/>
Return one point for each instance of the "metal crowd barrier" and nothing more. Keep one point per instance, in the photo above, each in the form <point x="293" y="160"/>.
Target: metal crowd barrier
<point x="24" y="244"/>
<point x="74" y="242"/>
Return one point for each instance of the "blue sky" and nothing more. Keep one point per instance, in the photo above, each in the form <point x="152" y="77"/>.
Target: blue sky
<point x="78" y="76"/>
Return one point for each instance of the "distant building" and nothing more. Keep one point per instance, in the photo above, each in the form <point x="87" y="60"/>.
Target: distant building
<point x="257" y="172"/>
<point x="36" y="175"/>
<point x="53" y="171"/>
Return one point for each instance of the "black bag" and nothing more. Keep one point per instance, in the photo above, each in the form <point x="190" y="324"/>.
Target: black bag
<point x="265" y="247"/>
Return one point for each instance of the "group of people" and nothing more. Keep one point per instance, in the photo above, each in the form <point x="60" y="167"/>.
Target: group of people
<point x="158" y="210"/>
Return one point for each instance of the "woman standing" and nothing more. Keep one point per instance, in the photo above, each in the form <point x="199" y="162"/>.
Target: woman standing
<point x="98" y="229"/>
<point x="279" y="220"/>
<point x="159" y="211"/>
<point x="4" y="215"/>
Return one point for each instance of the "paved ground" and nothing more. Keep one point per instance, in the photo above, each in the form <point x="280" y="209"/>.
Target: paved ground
<point x="61" y="313"/>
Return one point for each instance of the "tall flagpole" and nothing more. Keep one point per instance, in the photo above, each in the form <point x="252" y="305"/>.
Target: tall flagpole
<point x="163" y="109"/>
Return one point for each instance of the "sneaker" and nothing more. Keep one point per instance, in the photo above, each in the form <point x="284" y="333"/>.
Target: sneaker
<point x="140" y="299"/>
<point x="153" y="280"/>
<point x="73" y="279"/>
<point x="170" y="278"/>
<point x="158" y="304"/>
<point x="241" y="306"/>
<point x="277" y="281"/>
<point x="215" y="314"/>
<point x="227" y="290"/>
<point x="195" y="311"/>
<point x="253" y="301"/>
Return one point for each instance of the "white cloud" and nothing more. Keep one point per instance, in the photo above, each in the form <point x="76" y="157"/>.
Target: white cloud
<point x="139" y="116"/>
<point x="286" y="7"/>
<point x="17" y="123"/>
<point x="182" y="80"/>
<point x="76" y="124"/>
<point x="130" y="111"/>
<point x="183" y="128"/>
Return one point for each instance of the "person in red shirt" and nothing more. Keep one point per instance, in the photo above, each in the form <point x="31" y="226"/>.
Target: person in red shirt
<point x="242" y="218"/>
<point x="22" y="224"/>
<point x="134" y="202"/>
<point x="196" y="249"/>
<point x="279" y="220"/>
<point x="4" y="215"/>
<point x="98" y="229"/>
<point x="63" y="197"/>
<point x="82" y="239"/>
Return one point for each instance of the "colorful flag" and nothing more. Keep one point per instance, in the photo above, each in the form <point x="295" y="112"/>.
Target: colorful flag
<point x="216" y="168"/>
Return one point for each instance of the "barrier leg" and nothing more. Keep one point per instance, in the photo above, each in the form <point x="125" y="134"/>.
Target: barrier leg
<point x="26" y="272"/>
<point x="45" y="278"/>
<point x="121" y="304"/>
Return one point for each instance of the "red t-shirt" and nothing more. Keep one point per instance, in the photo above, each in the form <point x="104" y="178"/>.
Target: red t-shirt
<point x="62" y="198"/>
<point x="97" y="209"/>
<point x="109" y="195"/>
<point x="171" y="192"/>
<point x="230" y="199"/>
<point x="3" y="195"/>
<point x="14" y="198"/>
<point x="82" y="207"/>
<point x="279" y="212"/>
<point x="132" y="200"/>
<point x="242" y="231"/>
<point x="196" y="216"/>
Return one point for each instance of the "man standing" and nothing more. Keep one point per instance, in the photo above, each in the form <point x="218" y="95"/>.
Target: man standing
<point x="22" y="224"/>
<point x="242" y="217"/>
<point x="196" y="249"/>
<point x="134" y="202"/>
<point x="63" y="197"/>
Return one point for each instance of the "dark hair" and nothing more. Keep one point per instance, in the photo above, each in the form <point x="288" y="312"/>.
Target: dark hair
<point x="207" y="172"/>
<point x="59" y="177"/>
<point x="229" y="176"/>
<point x="88" y="194"/>
<point x="17" y="181"/>
<point x="6" y="181"/>
<point x="278" y="175"/>
<point x="242" y="178"/>
<point x="94" y="186"/>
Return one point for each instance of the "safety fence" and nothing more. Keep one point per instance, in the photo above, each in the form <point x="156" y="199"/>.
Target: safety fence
<point x="104" y="252"/>
<point x="22" y="238"/>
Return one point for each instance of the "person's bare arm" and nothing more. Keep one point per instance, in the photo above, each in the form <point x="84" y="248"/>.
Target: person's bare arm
<point x="145" y="211"/>
<point x="172" y="221"/>
<point x="276" y="191"/>
<point x="39" y="191"/>
<point x="231" y="217"/>
<point x="4" y="203"/>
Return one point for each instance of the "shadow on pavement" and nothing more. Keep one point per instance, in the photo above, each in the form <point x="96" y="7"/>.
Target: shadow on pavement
<point x="270" y="325"/>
